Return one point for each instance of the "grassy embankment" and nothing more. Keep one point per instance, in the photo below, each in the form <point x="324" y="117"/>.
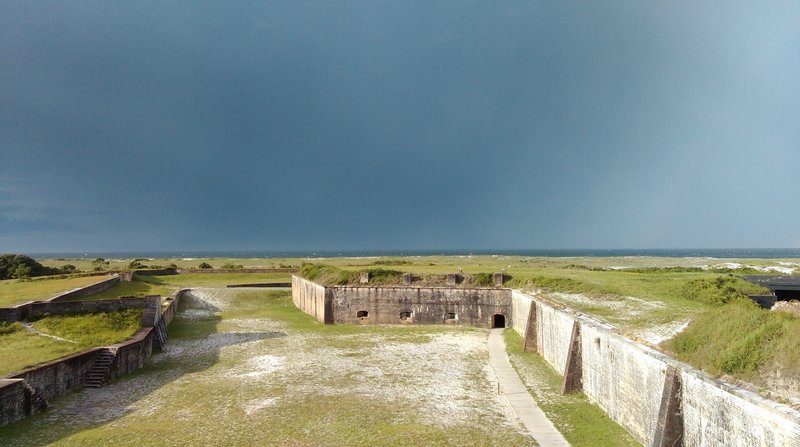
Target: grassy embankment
<point x="20" y="348"/>
<point x="661" y="287"/>
<point x="737" y="338"/>
<point x="14" y="291"/>
<point x="166" y="285"/>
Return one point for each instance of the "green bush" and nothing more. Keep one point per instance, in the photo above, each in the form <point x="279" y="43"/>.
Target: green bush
<point x="316" y="271"/>
<point x="205" y="265"/>
<point x="483" y="279"/>
<point x="137" y="264"/>
<point x="99" y="264"/>
<point x="720" y="290"/>
<point x="69" y="268"/>
<point x="9" y="328"/>
<point x="232" y="266"/>
<point x="22" y="267"/>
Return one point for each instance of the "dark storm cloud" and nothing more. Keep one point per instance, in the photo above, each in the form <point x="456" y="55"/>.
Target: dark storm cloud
<point x="216" y="125"/>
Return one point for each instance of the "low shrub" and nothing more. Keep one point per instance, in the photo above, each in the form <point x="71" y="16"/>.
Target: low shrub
<point x="9" y="328"/>
<point x="720" y="290"/>
<point x="483" y="279"/>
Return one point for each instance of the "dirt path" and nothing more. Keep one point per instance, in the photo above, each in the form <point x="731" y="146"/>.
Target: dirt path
<point x="30" y="328"/>
<point x="518" y="397"/>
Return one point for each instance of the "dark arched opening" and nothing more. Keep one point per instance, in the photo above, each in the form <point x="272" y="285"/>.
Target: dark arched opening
<point x="498" y="321"/>
<point x="362" y="314"/>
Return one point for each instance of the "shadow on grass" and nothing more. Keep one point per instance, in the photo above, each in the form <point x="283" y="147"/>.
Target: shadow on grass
<point x="194" y="345"/>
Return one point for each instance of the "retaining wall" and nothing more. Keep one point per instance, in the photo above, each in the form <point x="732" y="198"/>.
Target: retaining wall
<point x="16" y="401"/>
<point x="255" y="270"/>
<point x="647" y="392"/>
<point x="59" y="376"/>
<point x="428" y="305"/>
<point x="21" y="311"/>
<point x="66" y="374"/>
<point x="312" y="299"/>
<point x="38" y="309"/>
<point x="88" y="290"/>
<point x="156" y="272"/>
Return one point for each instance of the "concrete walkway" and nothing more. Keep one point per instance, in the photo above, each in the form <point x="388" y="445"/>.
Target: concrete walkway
<point x="521" y="401"/>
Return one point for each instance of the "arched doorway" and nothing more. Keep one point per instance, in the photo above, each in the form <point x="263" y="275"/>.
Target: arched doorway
<point x="498" y="321"/>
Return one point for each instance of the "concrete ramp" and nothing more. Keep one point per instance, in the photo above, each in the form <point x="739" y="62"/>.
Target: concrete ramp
<point x="511" y="386"/>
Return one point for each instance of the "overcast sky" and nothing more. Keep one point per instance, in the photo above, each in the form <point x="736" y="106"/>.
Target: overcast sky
<point x="406" y="124"/>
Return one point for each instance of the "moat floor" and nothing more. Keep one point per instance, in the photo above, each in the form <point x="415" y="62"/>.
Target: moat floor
<point x="512" y="388"/>
<point x="244" y="367"/>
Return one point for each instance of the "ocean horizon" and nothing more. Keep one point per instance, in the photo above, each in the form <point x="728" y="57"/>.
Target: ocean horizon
<point x="739" y="253"/>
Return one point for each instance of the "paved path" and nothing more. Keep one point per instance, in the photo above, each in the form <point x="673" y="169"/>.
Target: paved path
<point x="521" y="401"/>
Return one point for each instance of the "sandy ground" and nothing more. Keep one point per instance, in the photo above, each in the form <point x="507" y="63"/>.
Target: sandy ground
<point x="627" y="308"/>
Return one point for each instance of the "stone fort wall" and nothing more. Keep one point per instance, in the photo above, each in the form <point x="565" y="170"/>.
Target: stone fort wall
<point x="18" y="391"/>
<point x="653" y="396"/>
<point x="401" y="305"/>
<point x="657" y="399"/>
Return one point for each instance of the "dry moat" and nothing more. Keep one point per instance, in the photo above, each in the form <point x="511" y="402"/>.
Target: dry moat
<point x="246" y="364"/>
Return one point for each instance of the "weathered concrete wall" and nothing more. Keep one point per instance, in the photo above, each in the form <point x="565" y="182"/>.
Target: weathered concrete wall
<point x="132" y="353"/>
<point x="312" y="299"/>
<point x="66" y="374"/>
<point x="38" y="309"/>
<point x="88" y="290"/>
<point x="15" y="400"/>
<point x="156" y="272"/>
<point x="428" y="305"/>
<point x="59" y="376"/>
<point x="14" y="313"/>
<point x="627" y="380"/>
<point x="172" y="306"/>
<point x="254" y="270"/>
<point x="22" y="311"/>
<point x="520" y="307"/>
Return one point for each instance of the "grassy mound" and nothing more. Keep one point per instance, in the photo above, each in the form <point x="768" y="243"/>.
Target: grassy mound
<point x="739" y="338"/>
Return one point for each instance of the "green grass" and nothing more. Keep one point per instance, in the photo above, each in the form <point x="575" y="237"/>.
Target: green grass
<point x="167" y="285"/>
<point x="13" y="291"/>
<point x="196" y="399"/>
<point x="741" y="339"/>
<point x="581" y="423"/>
<point x="20" y="348"/>
<point x="92" y="329"/>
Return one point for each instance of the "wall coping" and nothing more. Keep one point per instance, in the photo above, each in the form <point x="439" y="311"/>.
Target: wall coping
<point x="110" y="277"/>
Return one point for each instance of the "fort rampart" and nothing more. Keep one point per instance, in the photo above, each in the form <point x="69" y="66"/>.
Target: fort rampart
<point x="38" y="309"/>
<point x="88" y="290"/>
<point x="22" y="392"/>
<point x="401" y="305"/>
<point x="657" y="399"/>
